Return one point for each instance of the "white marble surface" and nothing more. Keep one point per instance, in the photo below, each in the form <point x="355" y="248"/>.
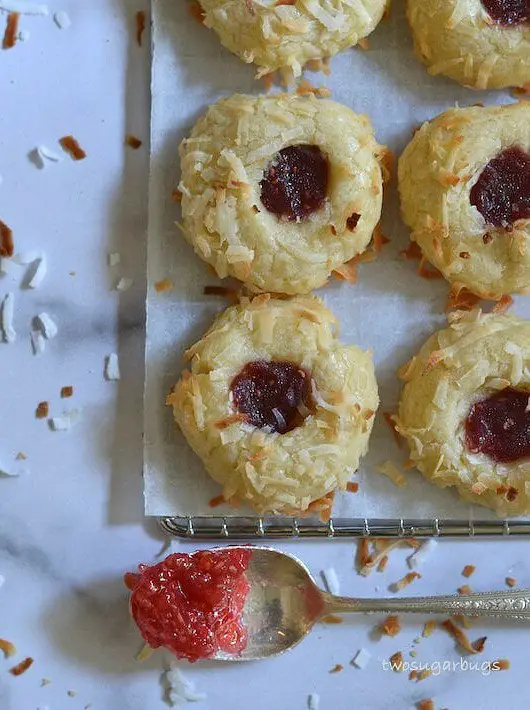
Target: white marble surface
<point x="73" y="523"/>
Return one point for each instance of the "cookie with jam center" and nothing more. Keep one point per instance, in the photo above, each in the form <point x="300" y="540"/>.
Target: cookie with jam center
<point x="280" y="190"/>
<point x="483" y="44"/>
<point x="277" y="408"/>
<point x="464" y="410"/>
<point x="464" y="185"/>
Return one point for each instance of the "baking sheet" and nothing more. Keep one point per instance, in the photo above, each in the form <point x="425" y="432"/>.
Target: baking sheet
<point x="391" y="309"/>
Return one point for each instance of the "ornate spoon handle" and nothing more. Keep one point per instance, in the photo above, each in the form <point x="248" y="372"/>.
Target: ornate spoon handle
<point x="512" y="604"/>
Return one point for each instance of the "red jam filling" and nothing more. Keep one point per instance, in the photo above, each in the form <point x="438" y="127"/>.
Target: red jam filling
<point x="508" y="12"/>
<point x="499" y="426"/>
<point x="192" y="604"/>
<point x="273" y="394"/>
<point x="502" y="192"/>
<point x="295" y="183"/>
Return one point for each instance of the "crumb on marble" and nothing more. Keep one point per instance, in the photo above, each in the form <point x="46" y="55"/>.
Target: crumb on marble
<point x="396" y="662"/>
<point x="7" y="244"/>
<point x="425" y="704"/>
<point x="465" y="589"/>
<point x="337" y="668"/>
<point x="461" y="637"/>
<point x="140" y="27"/>
<point x="21" y="667"/>
<point x="163" y="285"/>
<point x="42" y="410"/>
<point x="67" y="391"/>
<point x="391" y="626"/>
<point x="404" y="581"/>
<point x="11" y="31"/>
<point x="510" y="581"/>
<point x="8" y="649"/>
<point x="501" y="664"/>
<point x="428" y="628"/>
<point x="133" y="142"/>
<point x="71" y="146"/>
<point x="468" y="570"/>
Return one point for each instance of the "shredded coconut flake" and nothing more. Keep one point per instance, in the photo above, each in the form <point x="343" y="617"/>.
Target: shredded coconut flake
<point x="361" y="658"/>
<point x="313" y="701"/>
<point x="392" y="471"/>
<point x="24" y="7"/>
<point x="9" y="267"/>
<point x="8" y="312"/>
<point x="47" y="325"/>
<point x="420" y="555"/>
<point x="65" y="422"/>
<point x="124" y="284"/>
<point x="114" y="258"/>
<point x="181" y="689"/>
<point x="62" y="20"/>
<point x="38" y="342"/>
<point x="331" y="580"/>
<point x="112" y="367"/>
<point x="39" y="274"/>
<point x="45" y="154"/>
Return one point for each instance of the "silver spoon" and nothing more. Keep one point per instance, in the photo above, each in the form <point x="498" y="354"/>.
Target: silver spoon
<point x="284" y="603"/>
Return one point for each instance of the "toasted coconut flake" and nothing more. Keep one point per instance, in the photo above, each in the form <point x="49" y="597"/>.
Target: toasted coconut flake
<point x="231" y="419"/>
<point x="462" y="639"/>
<point x="372" y="561"/>
<point x="461" y="299"/>
<point x="382" y="563"/>
<point x="163" y="285"/>
<point x="504" y="303"/>
<point x="389" y="469"/>
<point x="364" y="44"/>
<point x="427" y="271"/>
<point x="67" y="391"/>
<point x="7" y="244"/>
<point x="352" y="486"/>
<point x="468" y="570"/>
<point x="465" y="589"/>
<point x="42" y="410"/>
<point x="133" y="142"/>
<point x="347" y="272"/>
<point x="216" y="501"/>
<point x="8" y="649"/>
<point x="363" y="557"/>
<point x="71" y="146"/>
<point x="140" y="27"/>
<point x="510" y="581"/>
<point x="361" y="659"/>
<point x="425" y="704"/>
<point x="422" y="675"/>
<point x="391" y="626"/>
<point x="112" y="367"/>
<point x="21" y="667"/>
<point x="337" y="668"/>
<point x="176" y="195"/>
<point x="391" y="423"/>
<point x="396" y="661"/>
<point x="412" y="252"/>
<point x="379" y="239"/>
<point x="332" y="619"/>
<point x="404" y="581"/>
<point x="447" y="179"/>
<point x="11" y="31"/>
<point x="428" y="628"/>
<point x="501" y="664"/>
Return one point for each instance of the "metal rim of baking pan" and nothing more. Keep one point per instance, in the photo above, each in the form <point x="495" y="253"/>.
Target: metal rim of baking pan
<point x="275" y="528"/>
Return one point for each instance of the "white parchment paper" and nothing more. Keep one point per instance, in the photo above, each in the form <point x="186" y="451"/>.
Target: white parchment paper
<point x="391" y="310"/>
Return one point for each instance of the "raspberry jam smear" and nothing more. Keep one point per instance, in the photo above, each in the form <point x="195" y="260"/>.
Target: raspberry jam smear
<point x="499" y="426"/>
<point x="192" y="604"/>
<point x="295" y="183"/>
<point x="502" y="192"/>
<point x="508" y="12"/>
<point x="273" y="394"/>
